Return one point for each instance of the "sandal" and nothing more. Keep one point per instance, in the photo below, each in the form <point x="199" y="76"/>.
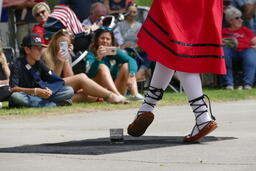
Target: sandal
<point x="140" y="124"/>
<point x="145" y="118"/>
<point x="209" y="125"/>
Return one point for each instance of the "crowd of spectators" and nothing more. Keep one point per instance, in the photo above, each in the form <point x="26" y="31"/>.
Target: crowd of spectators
<point x="47" y="52"/>
<point x="59" y="61"/>
<point x="48" y="39"/>
<point x="37" y="86"/>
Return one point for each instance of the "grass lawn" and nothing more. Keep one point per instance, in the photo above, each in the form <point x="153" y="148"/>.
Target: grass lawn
<point x="143" y="2"/>
<point x="169" y="98"/>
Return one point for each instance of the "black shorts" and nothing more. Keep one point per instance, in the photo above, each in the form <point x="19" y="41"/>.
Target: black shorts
<point x="4" y="93"/>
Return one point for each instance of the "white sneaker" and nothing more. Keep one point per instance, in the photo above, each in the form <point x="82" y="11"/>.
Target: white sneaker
<point x="247" y="87"/>
<point x="229" y="87"/>
<point x="239" y="88"/>
<point x="137" y="97"/>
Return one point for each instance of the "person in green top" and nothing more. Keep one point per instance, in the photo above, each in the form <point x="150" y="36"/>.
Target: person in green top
<point x="110" y="66"/>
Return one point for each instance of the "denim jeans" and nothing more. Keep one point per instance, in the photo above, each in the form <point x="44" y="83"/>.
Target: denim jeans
<point x="247" y="59"/>
<point x="20" y="99"/>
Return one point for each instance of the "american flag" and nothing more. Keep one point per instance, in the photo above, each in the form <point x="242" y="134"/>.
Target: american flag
<point x="68" y="18"/>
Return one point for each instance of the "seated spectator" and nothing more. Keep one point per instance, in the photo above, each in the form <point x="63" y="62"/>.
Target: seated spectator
<point x="129" y="29"/>
<point x="104" y="58"/>
<point x="32" y="83"/>
<point x="62" y="17"/>
<point x="23" y="16"/>
<point x="241" y="50"/>
<point x="116" y="6"/>
<point x="4" y="77"/>
<point x="98" y="10"/>
<point x="246" y="6"/>
<point x="58" y="59"/>
<point x="41" y="12"/>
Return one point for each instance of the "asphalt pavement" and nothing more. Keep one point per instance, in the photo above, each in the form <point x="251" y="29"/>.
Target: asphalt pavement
<point x="81" y="141"/>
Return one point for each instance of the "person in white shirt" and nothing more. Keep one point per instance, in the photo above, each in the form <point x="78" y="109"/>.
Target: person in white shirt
<point x="98" y="10"/>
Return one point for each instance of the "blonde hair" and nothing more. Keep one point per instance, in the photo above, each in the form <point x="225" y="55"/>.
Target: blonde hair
<point x="50" y="54"/>
<point x="39" y="5"/>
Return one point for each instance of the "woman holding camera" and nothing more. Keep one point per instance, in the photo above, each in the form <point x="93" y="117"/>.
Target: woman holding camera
<point x="105" y="58"/>
<point x="58" y="59"/>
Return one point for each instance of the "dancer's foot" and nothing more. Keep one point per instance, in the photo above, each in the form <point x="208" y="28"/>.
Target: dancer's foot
<point x="205" y="123"/>
<point x="144" y="117"/>
<point x="198" y="133"/>
<point x="140" y="124"/>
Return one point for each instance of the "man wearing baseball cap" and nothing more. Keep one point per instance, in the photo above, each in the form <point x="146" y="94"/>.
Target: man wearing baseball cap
<point x="32" y="83"/>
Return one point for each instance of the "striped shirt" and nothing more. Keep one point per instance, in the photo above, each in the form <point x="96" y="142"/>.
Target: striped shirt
<point x="68" y="18"/>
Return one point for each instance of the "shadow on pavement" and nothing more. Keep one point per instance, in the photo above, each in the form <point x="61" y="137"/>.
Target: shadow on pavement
<point x="103" y="146"/>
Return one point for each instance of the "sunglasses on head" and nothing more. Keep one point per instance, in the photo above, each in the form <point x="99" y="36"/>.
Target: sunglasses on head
<point x="106" y="28"/>
<point x="40" y="12"/>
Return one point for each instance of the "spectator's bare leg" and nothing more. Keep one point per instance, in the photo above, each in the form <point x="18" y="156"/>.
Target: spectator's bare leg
<point x="89" y="87"/>
<point x="141" y="74"/>
<point x="122" y="79"/>
<point x="104" y="78"/>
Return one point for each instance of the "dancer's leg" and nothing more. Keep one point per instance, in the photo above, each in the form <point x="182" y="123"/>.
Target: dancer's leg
<point x="192" y="86"/>
<point x="104" y="78"/>
<point x="160" y="80"/>
<point x="121" y="80"/>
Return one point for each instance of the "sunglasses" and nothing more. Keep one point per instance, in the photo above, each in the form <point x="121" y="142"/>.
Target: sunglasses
<point x="106" y="28"/>
<point x="238" y="18"/>
<point x="39" y="13"/>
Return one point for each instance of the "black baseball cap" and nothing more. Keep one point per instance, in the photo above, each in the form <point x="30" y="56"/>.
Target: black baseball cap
<point x="32" y="39"/>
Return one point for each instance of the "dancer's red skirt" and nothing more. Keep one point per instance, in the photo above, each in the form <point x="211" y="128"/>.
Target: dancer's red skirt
<point x="185" y="35"/>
